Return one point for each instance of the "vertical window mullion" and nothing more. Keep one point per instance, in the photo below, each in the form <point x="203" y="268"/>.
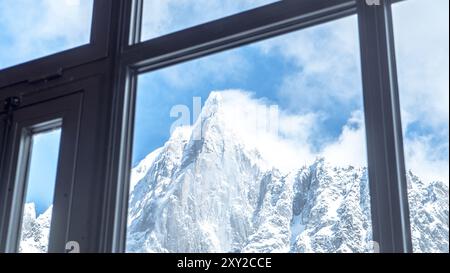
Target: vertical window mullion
<point x="135" y="22"/>
<point x="389" y="203"/>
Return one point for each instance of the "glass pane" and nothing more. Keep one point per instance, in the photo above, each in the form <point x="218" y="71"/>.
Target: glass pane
<point x="421" y="37"/>
<point x="161" y="17"/>
<point x="256" y="149"/>
<point x="31" y="29"/>
<point x="40" y="186"/>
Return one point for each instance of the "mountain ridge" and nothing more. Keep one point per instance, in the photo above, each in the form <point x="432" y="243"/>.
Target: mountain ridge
<point x="211" y="189"/>
<point x="310" y="209"/>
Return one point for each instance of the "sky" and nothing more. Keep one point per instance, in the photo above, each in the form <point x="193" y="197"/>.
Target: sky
<point x="30" y="29"/>
<point x="42" y="170"/>
<point x="422" y="48"/>
<point x="166" y="16"/>
<point x="312" y="75"/>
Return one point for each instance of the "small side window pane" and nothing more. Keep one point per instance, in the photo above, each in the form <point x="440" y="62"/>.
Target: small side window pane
<point x="40" y="186"/>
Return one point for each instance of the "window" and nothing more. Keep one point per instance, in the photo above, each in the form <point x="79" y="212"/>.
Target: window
<point x="231" y="126"/>
<point x="166" y="16"/>
<point x="421" y="36"/>
<point x="40" y="178"/>
<point x="256" y="149"/>
<point x="32" y="29"/>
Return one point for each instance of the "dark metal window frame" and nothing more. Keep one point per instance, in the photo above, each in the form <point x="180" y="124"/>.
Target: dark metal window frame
<point x="61" y="113"/>
<point x="111" y="62"/>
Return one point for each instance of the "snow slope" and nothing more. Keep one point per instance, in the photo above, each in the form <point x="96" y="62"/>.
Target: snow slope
<point x="35" y="230"/>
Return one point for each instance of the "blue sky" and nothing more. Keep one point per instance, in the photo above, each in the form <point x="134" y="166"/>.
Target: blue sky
<point x="34" y="28"/>
<point x="311" y="73"/>
<point x="167" y="16"/>
<point x="422" y="46"/>
<point x="263" y="70"/>
<point x="42" y="172"/>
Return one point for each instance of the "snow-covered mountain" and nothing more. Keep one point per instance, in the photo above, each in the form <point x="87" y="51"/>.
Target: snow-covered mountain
<point x="218" y="193"/>
<point x="35" y="230"/>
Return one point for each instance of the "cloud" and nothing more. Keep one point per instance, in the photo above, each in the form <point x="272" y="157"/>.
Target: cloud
<point x="285" y="139"/>
<point x="217" y="68"/>
<point x="350" y="147"/>
<point x="422" y="48"/>
<point x="322" y="82"/>
<point x="32" y="29"/>
<point x="281" y="138"/>
<point x="327" y="74"/>
<point x="162" y="17"/>
<point x="424" y="159"/>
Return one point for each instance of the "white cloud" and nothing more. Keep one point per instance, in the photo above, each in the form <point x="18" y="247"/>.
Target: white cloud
<point x="290" y="146"/>
<point x="218" y="68"/>
<point x="423" y="158"/>
<point x="166" y="16"/>
<point x="350" y="147"/>
<point x="422" y="48"/>
<point x="248" y="118"/>
<point x="326" y="58"/>
<point x="325" y="81"/>
<point x="72" y="2"/>
<point x="36" y="28"/>
<point x="326" y="74"/>
<point x="328" y="66"/>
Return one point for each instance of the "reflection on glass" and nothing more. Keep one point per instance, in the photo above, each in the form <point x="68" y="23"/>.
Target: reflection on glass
<point x="422" y="46"/>
<point x="256" y="149"/>
<point x="40" y="186"/>
<point x="31" y="29"/>
<point x="166" y="16"/>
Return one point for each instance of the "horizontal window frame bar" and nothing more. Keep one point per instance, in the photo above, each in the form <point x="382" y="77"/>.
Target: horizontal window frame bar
<point x="231" y="31"/>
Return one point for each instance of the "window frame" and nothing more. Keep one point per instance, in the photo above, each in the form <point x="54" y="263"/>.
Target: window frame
<point x="61" y="112"/>
<point x="389" y="203"/>
<point x="25" y="133"/>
